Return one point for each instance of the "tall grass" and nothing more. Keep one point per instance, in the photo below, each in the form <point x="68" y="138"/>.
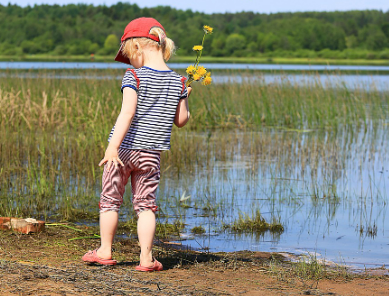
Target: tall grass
<point x="53" y="132"/>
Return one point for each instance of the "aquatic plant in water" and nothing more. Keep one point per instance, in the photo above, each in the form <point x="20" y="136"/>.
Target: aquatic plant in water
<point x="255" y="224"/>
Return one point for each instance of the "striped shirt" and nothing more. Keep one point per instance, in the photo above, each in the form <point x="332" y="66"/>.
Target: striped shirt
<point x="159" y="93"/>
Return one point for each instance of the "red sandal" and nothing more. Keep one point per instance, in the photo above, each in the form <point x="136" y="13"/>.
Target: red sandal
<point x="91" y="257"/>
<point x="156" y="267"/>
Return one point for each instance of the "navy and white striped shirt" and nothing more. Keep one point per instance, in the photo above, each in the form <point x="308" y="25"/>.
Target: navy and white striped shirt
<point x="159" y="93"/>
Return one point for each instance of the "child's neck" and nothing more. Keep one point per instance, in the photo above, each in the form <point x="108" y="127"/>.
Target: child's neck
<point x="154" y="59"/>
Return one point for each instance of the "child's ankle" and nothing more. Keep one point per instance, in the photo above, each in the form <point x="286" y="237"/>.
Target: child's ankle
<point x="105" y="253"/>
<point x="146" y="257"/>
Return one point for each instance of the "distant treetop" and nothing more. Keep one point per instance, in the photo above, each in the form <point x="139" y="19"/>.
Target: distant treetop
<point x="80" y="29"/>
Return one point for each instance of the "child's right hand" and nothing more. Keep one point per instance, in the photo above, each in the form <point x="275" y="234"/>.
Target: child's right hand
<point x="111" y="157"/>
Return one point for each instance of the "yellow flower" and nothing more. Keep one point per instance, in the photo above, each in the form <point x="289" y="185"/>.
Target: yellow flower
<point x="208" y="29"/>
<point x="196" y="77"/>
<point x="207" y="80"/>
<point x="201" y="71"/>
<point x="190" y="70"/>
<point x="208" y="74"/>
<point x="197" y="48"/>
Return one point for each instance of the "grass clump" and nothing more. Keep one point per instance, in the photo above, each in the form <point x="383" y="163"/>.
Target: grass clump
<point x="198" y="230"/>
<point x="307" y="271"/>
<point x="254" y="224"/>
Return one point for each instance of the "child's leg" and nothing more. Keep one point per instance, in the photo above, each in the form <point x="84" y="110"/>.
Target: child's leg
<point x="108" y="225"/>
<point x="111" y="198"/>
<point x="146" y="231"/>
<point x="144" y="182"/>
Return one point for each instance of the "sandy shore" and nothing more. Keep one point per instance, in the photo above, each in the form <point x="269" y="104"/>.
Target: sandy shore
<point x="49" y="264"/>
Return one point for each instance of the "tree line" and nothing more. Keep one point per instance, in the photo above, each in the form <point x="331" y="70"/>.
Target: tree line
<point x="86" y="29"/>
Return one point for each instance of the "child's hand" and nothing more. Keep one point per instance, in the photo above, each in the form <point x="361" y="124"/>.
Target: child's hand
<point x="189" y="90"/>
<point x="111" y="157"/>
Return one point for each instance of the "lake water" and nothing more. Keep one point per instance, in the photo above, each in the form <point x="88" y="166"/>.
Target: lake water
<point x="332" y="78"/>
<point x="211" y="66"/>
<point x="328" y="188"/>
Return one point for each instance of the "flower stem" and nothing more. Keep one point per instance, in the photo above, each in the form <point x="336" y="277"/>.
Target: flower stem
<point x="189" y="81"/>
<point x="197" y="60"/>
<point x="202" y="44"/>
<point x="201" y="51"/>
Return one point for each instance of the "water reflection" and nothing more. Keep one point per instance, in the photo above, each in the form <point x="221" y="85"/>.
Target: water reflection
<point x="367" y="82"/>
<point x="352" y="82"/>
<point x="329" y="190"/>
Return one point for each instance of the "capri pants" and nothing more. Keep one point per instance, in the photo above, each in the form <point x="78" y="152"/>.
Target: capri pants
<point x="143" y="166"/>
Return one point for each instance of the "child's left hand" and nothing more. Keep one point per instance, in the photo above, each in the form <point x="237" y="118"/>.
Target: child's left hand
<point x="111" y="157"/>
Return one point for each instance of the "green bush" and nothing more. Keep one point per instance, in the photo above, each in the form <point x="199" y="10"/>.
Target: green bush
<point x="60" y="50"/>
<point x="329" y="54"/>
<point x="111" y="44"/>
<point x="80" y="48"/>
<point x="235" y="43"/>
<point x="355" y="53"/>
<point x="304" y="53"/>
<point x="384" y="54"/>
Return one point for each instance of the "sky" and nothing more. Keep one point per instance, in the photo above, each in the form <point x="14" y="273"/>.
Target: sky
<point x="221" y="6"/>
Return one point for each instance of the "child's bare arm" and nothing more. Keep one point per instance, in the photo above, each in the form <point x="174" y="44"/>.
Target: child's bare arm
<point x="123" y="122"/>
<point x="182" y="111"/>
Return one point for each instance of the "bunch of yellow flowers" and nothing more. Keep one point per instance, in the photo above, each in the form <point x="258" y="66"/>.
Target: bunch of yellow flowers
<point x="196" y="72"/>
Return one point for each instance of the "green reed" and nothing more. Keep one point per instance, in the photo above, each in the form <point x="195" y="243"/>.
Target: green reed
<point x="53" y="132"/>
<point x="255" y="224"/>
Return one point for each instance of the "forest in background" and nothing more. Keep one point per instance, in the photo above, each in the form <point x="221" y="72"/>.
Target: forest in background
<point x="86" y="29"/>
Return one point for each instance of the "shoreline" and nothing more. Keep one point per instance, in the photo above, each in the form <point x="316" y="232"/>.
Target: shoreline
<point x="50" y="263"/>
<point x="292" y="258"/>
<point x="205" y="59"/>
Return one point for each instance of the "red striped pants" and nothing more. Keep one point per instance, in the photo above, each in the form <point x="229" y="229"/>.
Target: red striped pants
<point x="143" y="166"/>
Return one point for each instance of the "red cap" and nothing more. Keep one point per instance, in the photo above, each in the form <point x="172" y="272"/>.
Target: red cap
<point x="139" y="27"/>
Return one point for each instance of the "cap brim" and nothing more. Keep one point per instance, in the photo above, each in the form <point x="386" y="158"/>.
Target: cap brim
<point x="122" y="58"/>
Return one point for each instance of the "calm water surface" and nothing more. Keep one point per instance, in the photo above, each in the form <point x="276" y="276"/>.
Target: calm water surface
<point x="333" y="78"/>
<point x="211" y="66"/>
<point x="329" y="190"/>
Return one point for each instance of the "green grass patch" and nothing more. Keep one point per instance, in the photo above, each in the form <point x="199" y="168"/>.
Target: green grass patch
<point x="308" y="271"/>
<point x="255" y="224"/>
<point x="198" y="230"/>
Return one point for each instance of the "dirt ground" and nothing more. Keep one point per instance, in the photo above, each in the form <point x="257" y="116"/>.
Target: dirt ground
<point x="49" y="264"/>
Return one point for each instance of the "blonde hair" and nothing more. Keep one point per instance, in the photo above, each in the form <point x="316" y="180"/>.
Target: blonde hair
<point x="131" y="46"/>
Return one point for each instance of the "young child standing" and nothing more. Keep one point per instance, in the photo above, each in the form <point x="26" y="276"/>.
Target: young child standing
<point x="154" y="97"/>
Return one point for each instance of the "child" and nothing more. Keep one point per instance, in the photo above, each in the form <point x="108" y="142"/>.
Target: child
<point x="154" y="97"/>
